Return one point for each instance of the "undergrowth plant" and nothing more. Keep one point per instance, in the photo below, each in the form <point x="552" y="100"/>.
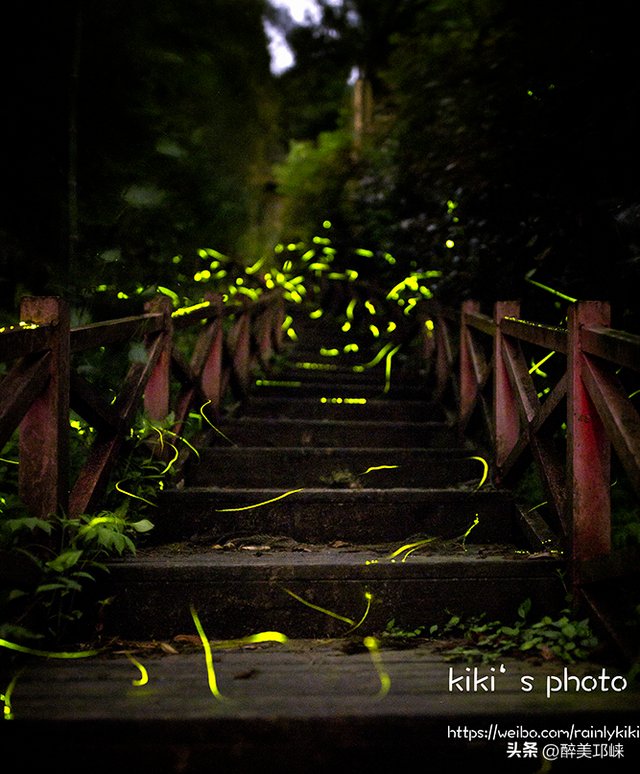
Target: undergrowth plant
<point x="475" y="639"/>
<point x="68" y="553"/>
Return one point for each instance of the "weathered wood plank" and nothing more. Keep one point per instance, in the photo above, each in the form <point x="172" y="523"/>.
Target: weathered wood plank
<point x="618" y="414"/>
<point x="19" y="342"/>
<point x="615" y="346"/>
<point x="543" y="335"/>
<point x="44" y="430"/>
<point x="20" y="387"/>
<point x="126" y="328"/>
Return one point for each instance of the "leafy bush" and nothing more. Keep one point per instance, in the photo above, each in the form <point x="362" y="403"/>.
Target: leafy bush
<point x="563" y="638"/>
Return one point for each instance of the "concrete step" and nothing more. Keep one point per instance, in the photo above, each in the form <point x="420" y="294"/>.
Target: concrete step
<point x="343" y="408"/>
<point x="237" y="593"/>
<point x="306" y="386"/>
<point x="307" y="706"/>
<point x="258" y="431"/>
<point x="324" y="515"/>
<point x="249" y="467"/>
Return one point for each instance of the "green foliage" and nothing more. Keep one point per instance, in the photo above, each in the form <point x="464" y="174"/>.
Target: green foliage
<point x="68" y="553"/>
<point x="312" y="180"/>
<point x="563" y="638"/>
<point x="161" y="123"/>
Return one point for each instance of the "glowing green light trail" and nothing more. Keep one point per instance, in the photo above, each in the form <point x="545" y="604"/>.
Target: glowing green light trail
<point x="375" y="360"/>
<point x="387" y="370"/>
<point x="6" y="697"/>
<point x="211" y="674"/>
<point x="320" y="609"/>
<point x="385" y="681"/>
<point x="485" y="470"/>
<point x="535" y="366"/>
<point x="257" y="505"/>
<point x="259" y="637"/>
<point x="368" y="596"/>
<point x="144" y="675"/>
<point x="210" y="423"/>
<point x="379" y="467"/>
<point x="48" y="653"/>
<point x="476" y="521"/>
<point x="135" y="496"/>
<point x="551" y="290"/>
<point x="411" y="547"/>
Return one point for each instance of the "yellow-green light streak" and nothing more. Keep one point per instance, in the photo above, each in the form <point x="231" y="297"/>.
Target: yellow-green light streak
<point x="476" y="521"/>
<point x="387" y="370"/>
<point x="48" y="653"/>
<point x="257" y="505"/>
<point x="211" y="674"/>
<point x="379" y="467"/>
<point x="7" y="714"/>
<point x="411" y="547"/>
<point x="144" y="675"/>
<point x="209" y="422"/>
<point x="535" y="366"/>
<point x="130" y="494"/>
<point x="485" y="471"/>
<point x="385" y="681"/>
<point x="320" y="609"/>
<point x="259" y="637"/>
<point x="551" y="290"/>
<point x="368" y="596"/>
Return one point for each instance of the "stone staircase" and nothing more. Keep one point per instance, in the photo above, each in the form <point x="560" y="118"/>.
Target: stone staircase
<point x="311" y="490"/>
<point x="301" y="517"/>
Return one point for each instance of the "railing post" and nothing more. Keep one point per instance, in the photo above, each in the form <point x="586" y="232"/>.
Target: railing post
<point x="156" y="394"/>
<point x="506" y="421"/>
<point x="467" y="375"/>
<point x="588" y="448"/>
<point x="44" y="430"/>
<point x="241" y="336"/>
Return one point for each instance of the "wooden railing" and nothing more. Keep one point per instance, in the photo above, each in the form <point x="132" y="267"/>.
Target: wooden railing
<point x="567" y="429"/>
<point x="42" y="387"/>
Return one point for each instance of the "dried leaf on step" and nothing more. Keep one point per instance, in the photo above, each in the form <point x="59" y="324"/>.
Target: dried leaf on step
<point x="168" y="648"/>
<point x="192" y="638"/>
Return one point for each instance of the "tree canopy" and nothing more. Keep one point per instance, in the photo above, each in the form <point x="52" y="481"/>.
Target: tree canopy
<point x="131" y="133"/>
<point x="500" y="149"/>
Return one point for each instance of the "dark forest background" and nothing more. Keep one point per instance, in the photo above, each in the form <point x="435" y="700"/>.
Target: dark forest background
<point x="499" y="145"/>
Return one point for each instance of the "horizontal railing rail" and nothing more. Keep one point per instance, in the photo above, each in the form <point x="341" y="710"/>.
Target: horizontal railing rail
<point x="41" y="385"/>
<point x="568" y="430"/>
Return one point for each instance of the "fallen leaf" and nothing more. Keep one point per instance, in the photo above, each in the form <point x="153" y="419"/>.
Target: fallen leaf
<point x="338" y="544"/>
<point x="169" y="648"/>
<point x="192" y="638"/>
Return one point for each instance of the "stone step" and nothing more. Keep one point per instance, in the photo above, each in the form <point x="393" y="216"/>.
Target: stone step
<point x="238" y="593"/>
<point x="258" y="431"/>
<point x="325" y="515"/>
<point x="294" y="387"/>
<point x="313" y="707"/>
<point x="351" y="408"/>
<point x="255" y="467"/>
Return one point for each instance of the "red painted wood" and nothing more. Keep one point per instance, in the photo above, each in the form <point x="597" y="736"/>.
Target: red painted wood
<point x="506" y="421"/>
<point x="468" y="381"/>
<point x="588" y="448"/>
<point x="242" y="350"/>
<point x="156" y="395"/>
<point x="211" y="379"/>
<point x="44" y="430"/>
